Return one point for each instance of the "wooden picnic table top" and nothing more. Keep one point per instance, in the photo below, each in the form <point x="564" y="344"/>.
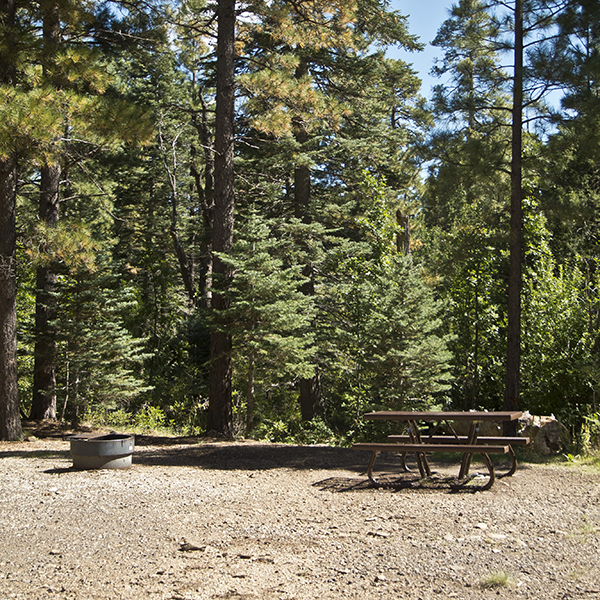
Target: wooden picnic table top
<point x="395" y="415"/>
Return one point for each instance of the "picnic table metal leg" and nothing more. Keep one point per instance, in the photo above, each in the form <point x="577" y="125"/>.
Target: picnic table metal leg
<point x="490" y="467"/>
<point x="491" y="479"/>
<point x="466" y="460"/>
<point x="370" y="475"/>
<point x="421" y="458"/>
<point x="513" y="466"/>
<point x="403" y="463"/>
<point x="370" y="468"/>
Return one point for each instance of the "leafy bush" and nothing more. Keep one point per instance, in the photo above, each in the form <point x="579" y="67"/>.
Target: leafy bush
<point x="295" y="432"/>
<point x="150" y="418"/>
<point x="590" y="434"/>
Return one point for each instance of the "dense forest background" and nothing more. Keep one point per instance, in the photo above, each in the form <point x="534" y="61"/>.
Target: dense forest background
<point x="243" y="218"/>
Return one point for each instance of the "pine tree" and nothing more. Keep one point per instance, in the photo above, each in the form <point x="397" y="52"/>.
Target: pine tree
<point x="219" y="409"/>
<point x="492" y="140"/>
<point x="324" y="106"/>
<point x="469" y="143"/>
<point x="101" y="361"/>
<point x="465" y="197"/>
<point x="58" y="112"/>
<point x="524" y="19"/>
<point x="385" y="338"/>
<point x="43" y="405"/>
<point x="269" y="316"/>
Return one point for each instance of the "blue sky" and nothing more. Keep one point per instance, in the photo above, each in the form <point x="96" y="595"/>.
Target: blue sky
<point x="424" y="19"/>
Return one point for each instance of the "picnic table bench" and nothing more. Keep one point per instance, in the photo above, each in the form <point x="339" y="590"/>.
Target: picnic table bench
<point x="420" y="445"/>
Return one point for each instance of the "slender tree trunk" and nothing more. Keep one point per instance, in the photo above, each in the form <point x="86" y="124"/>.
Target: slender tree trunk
<point x="475" y="384"/>
<point x="310" y="397"/>
<point x="10" y="418"/>
<point x="219" y="402"/>
<point x="513" y="354"/>
<point x="186" y="265"/>
<point x="43" y="405"/>
<point x="250" y="394"/>
<point x="403" y="237"/>
<point x="206" y="200"/>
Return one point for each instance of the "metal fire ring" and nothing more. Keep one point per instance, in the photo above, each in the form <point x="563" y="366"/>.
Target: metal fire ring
<point x="113" y="451"/>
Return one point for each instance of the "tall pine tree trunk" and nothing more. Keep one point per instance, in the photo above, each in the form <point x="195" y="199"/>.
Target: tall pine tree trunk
<point x="513" y="354"/>
<point x="310" y="397"/>
<point x="219" y="401"/>
<point x="43" y="404"/>
<point x="250" y="394"/>
<point x="206" y="199"/>
<point x="310" y="388"/>
<point x="44" y="371"/>
<point x="10" y="419"/>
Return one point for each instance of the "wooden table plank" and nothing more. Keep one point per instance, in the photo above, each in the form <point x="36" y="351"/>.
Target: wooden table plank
<point x="395" y="415"/>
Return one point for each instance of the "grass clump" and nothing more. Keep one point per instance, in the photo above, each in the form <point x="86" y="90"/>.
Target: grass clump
<point x="497" y="579"/>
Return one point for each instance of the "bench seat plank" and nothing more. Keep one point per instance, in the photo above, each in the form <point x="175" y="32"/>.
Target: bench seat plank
<point x="464" y="448"/>
<point x="449" y="439"/>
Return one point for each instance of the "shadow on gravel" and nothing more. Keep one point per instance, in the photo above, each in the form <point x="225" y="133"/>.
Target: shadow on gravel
<point x="34" y="454"/>
<point x="252" y="457"/>
<point x="256" y="456"/>
<point x="208" y="453"/>
<point x="393" y="483"/>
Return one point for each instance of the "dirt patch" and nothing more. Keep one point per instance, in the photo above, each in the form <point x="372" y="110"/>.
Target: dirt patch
<point x="214" y="520"/>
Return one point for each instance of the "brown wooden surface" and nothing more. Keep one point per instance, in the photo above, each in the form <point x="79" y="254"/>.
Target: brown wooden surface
<point x="450" y="439"/>
<point x="464" y="448"/>
<point x="394" y="415"/>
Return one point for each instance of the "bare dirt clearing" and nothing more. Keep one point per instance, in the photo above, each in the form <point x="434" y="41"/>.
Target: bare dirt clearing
<point x="193" y="521"/>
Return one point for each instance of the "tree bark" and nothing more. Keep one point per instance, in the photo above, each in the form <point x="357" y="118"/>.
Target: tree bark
<point x="10" y="418"/>
<point x="43" y="405"/>
<point x="250" y="394"/>
<point x="206" y="199"/>
<point x="310" y="398"/>
<point x="219" y="402"/>
<point x="513" y="342"/>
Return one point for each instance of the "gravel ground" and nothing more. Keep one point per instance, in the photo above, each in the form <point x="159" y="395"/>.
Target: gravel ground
<point x="195" y="521"/>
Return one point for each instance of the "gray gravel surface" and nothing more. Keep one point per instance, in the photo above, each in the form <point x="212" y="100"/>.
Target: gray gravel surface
<point x="243" y="520"/>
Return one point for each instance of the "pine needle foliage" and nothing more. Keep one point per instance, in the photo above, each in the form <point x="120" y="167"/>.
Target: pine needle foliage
<point x="382" y="334"/>
<point x="102" y="363"/>
<point x="269" y="317"/>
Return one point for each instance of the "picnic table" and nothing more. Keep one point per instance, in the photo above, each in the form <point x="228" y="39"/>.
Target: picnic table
<point x="420" y="444"/>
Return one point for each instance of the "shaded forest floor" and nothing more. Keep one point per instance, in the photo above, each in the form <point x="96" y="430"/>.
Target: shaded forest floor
<point x="197" y="519"/>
